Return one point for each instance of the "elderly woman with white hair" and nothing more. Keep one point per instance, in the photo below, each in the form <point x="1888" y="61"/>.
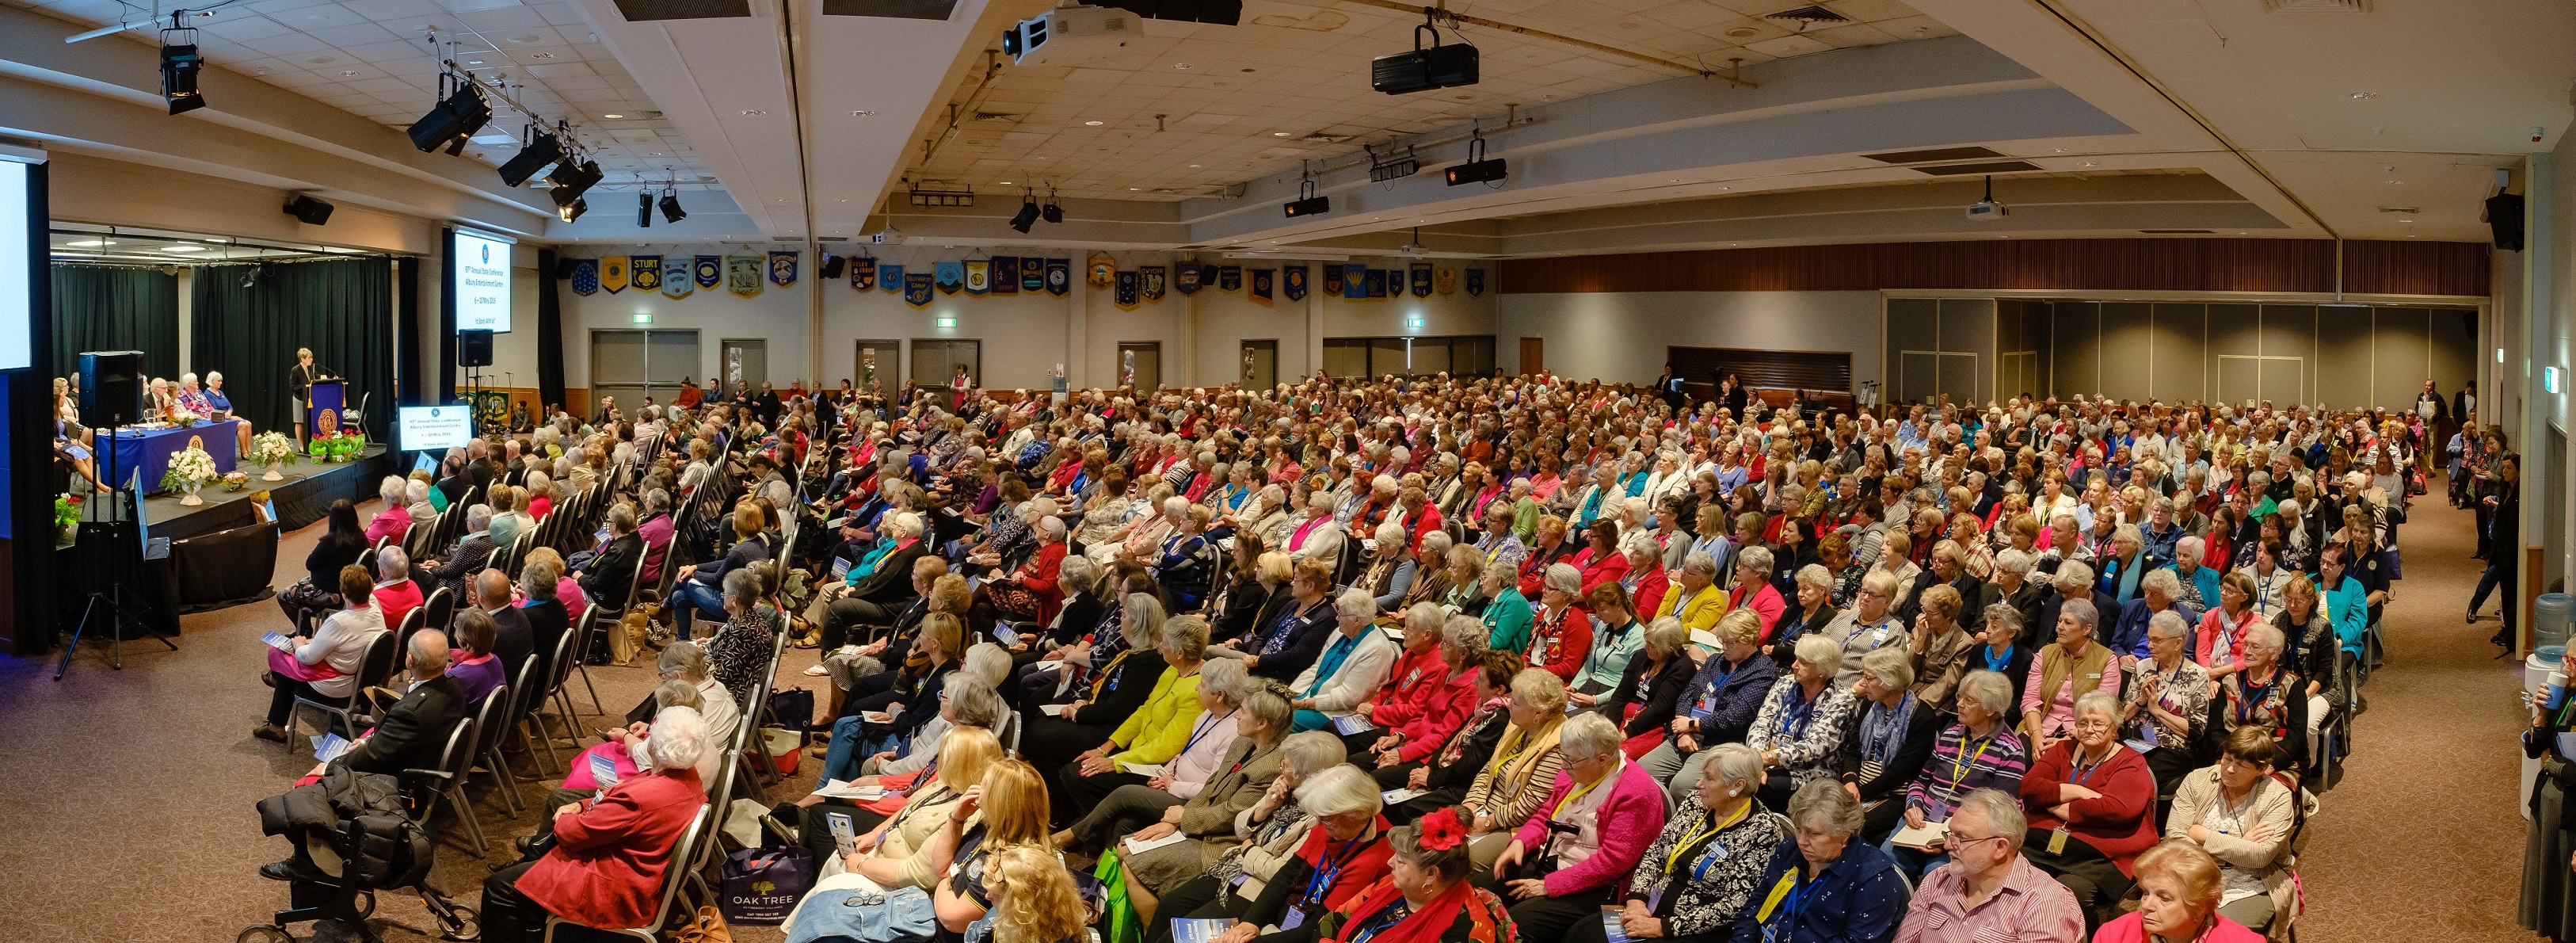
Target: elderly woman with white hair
<point x="1266" y="835"/>
<point x="1185" y="563"/>
<point x="1701" y="871"/>
<point x="2167" y="700"/>
<point x="1420" y="714"/>
<point x="1341" y="856"/>
<point x="1030" y="594"/>
<point x="1651" y="687"/>
<point x="611" y="854"/>
<point x="1889" y="741"/>
<point x="1390" y="569"/>
<point x="1577" y="848"/>
<point x="1824" y="885"/>
<point x="394" y="519"/>
<point x="1345" y="679"/>
<point x="1803" y="720"/>
<point x="1233" y="713"/>
<point x="2101" y="795"/>
<point x="1978" y="752"/>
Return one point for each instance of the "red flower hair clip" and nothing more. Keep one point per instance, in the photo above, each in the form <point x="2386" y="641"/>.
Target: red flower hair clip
<point x="1440" y="831"/>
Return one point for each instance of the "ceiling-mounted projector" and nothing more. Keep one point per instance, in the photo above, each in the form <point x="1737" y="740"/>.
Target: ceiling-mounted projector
<point x="1072" y="34"/>
<point x="1987" y="210"/>
<point x="888" y="236"/>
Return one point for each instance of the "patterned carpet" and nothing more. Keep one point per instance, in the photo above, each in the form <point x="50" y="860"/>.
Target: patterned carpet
<point x="130" y="793"/>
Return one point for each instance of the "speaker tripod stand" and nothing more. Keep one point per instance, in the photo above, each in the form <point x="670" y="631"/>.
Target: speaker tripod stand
<point x="112" y="601"/>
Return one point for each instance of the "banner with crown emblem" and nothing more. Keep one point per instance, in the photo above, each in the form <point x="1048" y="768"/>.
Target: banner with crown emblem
<point x="675" y="278"/>
<point x="708" y="271"/>
<point x="1355" y="281"/>
<point x="585" y="276"/>
<point x="863" y="273"/>
<point x="1333" y="279"/>
<point x="612" y="273"/>
<point x="742" y="275"/>
<point x="1186" y="281"/>
<point x="1421" y="279"/>
<point x="1127" y="288"/>
<point x="1006" y="275"/>
<point x="1263" y="280"/>
<point x="1292" y="281"/>
<point x="1475" y="282"/>
<point x="1059" y="276"/>
<point x="1153" y="279"/>
<point x="782" y="267"/>
<point x="890" y="276"/>
<point x="916" y="289"/>
<point x="1033" y="274"/>
<point x="644" y="272"/>
<point x="1447" y="281"/>
<point x="1229" y="278"/>
<point x="1377" y="279"/>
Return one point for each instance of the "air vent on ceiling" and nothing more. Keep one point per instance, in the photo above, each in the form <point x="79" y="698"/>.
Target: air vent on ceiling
<point x="2409" y="210"/>
<point x="1809" y="15"/>
<point x="892" y="9"/>
<point x="2317" y="6"/>
<point x="1224" y="12"/>
<point x="995" y="116"/>
<point x="1989" y="167"/>
<point x="1325" y="137"/>
<point x="1938" y="153"/>
<point x="641" y="11"/>
<point x="2175" y="232"/>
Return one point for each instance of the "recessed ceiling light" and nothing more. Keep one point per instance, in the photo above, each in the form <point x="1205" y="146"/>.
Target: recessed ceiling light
<point x="1183" y="66"/>
<point x="754" y="112"/>
<point x="1094" y="124"/>
<point x="541" y="55"/>
<point x="2396" y="183"/>
<point x="1004" y="182"/>
<point x="2365" y="94"/>
<point x="1742" y="32"/>
<point x="1283" y="134"/>
<point x="652" y="153"/>
<point x="473" y="62"/>
<point x="183" y="248"/>
<point x="612" y="116"/>
<point x="861" y="113"/>
<point x="1196" y="166"/>
<point x="92" y="243"/>
<point x="1134" y="189"/>
<point x="2088" y="163"/>
<point x="350" y="73"/>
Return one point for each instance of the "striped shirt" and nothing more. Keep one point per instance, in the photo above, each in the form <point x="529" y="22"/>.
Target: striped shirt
<point x="1959" y="766"/>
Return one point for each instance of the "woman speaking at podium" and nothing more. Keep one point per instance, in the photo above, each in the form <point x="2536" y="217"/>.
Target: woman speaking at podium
<point x="301" y="380"/>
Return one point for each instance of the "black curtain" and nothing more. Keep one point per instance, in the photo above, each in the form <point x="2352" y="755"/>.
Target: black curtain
<point x="415" y="392"/>
<point x="550" y="352"/>
<point x="342" y="309"/>
<point x="98" y="307"/>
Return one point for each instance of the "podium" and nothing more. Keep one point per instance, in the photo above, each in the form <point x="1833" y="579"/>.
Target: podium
<point x="330" y="398"/>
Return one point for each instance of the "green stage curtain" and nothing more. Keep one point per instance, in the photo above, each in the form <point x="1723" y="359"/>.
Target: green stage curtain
<point x="98" y="307"/>
<point x="342" y="309"/>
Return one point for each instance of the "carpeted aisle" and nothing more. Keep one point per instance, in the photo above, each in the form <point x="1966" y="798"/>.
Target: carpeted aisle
<point x="129" y="793"/>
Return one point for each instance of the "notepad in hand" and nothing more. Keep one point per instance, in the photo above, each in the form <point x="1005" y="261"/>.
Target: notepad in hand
<point x="1131" y="847"/>
<point x="330" y="747"/>
<point x="1928" y="837"/>
<point x="876" y="717"/>
<point x="1146" y="770"/>
<point x="278" y="641"/>
<point x="843" y="789"/>
<point x="1050" y="664"/>
<point x="1051" y="710"/>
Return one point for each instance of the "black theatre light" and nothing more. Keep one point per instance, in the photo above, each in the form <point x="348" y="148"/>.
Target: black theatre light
<point x="1308" y="202"/>
<point x="180" y="64"/>
<point x="571" y="180"/>
<point x="1052" y="213"/>
<point x="1477" y="169"/>
<point x="644" y="211"/>
<point x="573" y="210"/>
<point x="1028" y="214"/>
<point x="454" y="119"/>
<point x="671" y="211"/>
<point x="543" y="148"/>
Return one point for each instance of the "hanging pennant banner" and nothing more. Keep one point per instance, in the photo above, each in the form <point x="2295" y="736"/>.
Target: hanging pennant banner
<point x="709" y="271"/>
<point x="1355" y="281"/>
<point x="612" y="273"/>
<point x="1187" y="281"/>
<point x="979" y="276"/>
<point x="1033" y="274"/>
<point x="782" y="268"/>
<point x="863" y="273"/>
<point x="585" y="276"/>
<point x="1421" y="279"/>
<point x="949" y="276"/>
<point x="1377" y="282"/>
<point x="1230" y="278"/>
<point x="1262" y="281"/>
<point x="1103" y="269"/>
<point x="1447" y="280"/>
<point x="1125" y="294"/>
<point x="916" y="289"/>
<point x="742" y="275"/>
<point x="1006" y="275"/>
<point x="1211" y="276"/>
<point x="890" y="277"/>
<point x="675" y="278"/>
<point x="1154" y="278"/>
<point x="1333" y="275"/>
<point x="1293" y="279"/>
<point x="644" y="272"/>
<point x="1059" y="276"/>
<point x="1475" y="281"/>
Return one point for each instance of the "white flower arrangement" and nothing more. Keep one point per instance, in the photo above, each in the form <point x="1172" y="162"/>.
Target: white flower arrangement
<point x="182" y="418"/>
<point x="189" y="470"/>
<point x="271" y="448"/>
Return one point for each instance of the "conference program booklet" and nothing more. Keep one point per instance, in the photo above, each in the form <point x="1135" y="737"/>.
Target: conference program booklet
<point x="330" y="747"/>
<point x="278" y="641"/>
<point x="1131" y="847"/>
<point x="1610" y="926"/>
<point x="1928" y="837"/>
<point x="1352" y="724"/>
<point x="1394" y="796"/>
<point x="1199" y="931"/>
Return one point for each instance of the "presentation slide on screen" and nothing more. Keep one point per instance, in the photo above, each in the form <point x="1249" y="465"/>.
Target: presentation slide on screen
<point x="16" y="267"/>
<point x="436" y="428"/>
<point x="480" y="283"/>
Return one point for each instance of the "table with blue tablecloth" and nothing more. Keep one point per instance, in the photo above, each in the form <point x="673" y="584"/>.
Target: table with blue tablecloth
<point x="148" y="450"/>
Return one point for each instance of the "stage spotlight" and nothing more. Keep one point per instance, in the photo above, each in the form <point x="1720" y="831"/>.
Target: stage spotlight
<point x="1052" y="213"/>
<point x="454" y="119"/>
<point x="671" y="211"/>
<point x="1308" y="201"/>
<point x="309" y="210"/>
<point x="543" y="148"/>
<point x="573" y="210"/>
<point x="643" y="211"/>
<point x="1028" y="214"/>
<point x="179" y="67"/>
<point x="572" y="180"/>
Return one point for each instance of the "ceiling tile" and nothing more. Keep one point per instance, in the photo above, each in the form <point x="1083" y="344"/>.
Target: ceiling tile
<point x="291" y="44"/>
<point x="246" y="28"/>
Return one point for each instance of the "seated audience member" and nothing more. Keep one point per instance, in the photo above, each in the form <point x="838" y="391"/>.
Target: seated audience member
<point x="1266" y="835"/>
<point x="1815" y="588"/>
<point x="898" y="853"/>
<point x="1130" y="660"/>
<point x="1719" y="704"/>
<point x="1424" y="897"/>
<point x="472" y="551"/>
<point x="417" y="500"/>
<point x="605" y="579"/>
<point x="625" y="753"/>
<point x="1803" y="720"/>
<point x="1034" y="898"/>
<point x="1999" y="650"/>
<point x="318" y="593"/>
<point x="1753" y="589"/>
<point x="1443" y="777"/>
<point x="1287" y="642"/>
<point x="1560" y="631"/>
<point x="2102" y="797"/>
<point x="1573" y="854"/>
<point x="2062" y="673"/>
<point x="1978" y="752"/>
<point x="610" y="854"/>
<point x="1523" y="769"/>
<point x="1120" y="802"/>
<point x="2267" y="695"/>
<point x="1495" y="599"/>
<point x="2156" y="593"/>
<point x="1824" y="887"/>
<point x="1694" y="596"/>
<point x="858" y="666"/>
<point x="2243" y="815"/>
<point x="1155" y="732"/>
<point x="1870" y="624"/>
<point x="2181" y="887"/>
<point x="716" y="704"/>
<point x="1432" y="691"/>
<point x="886" y="719"/>
<point x="1700" y="873"/>
<point x="325" y="667"/>
<point x="1207" y="816"/>
<point x="1942" y="650"/>
<point x="1030" y="594"/>
<point x="1650" y="690"/>
<point x="1343" y="855"/>
<point x="476" y="670"/>
<point x="394" y="520"/>
<point x="2167" y="700"/>
<point x="1356" y="663"/>
<point x="739" y="650"/>
<point x="967" y="701"/>
<point x="396" y="595"/>
<point x="1988" y="891"/>
<point x="1617" y="637"/>
<point x="699" y="592"/>
<point x="2219" y="643"/>
<point x="1889" y="741"/>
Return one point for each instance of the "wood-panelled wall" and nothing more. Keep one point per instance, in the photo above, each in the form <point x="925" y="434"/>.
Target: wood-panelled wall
<point x="2257" y="265"/>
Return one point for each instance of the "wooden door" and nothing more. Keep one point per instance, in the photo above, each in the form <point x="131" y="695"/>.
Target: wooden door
<point x="1533" y="354"/>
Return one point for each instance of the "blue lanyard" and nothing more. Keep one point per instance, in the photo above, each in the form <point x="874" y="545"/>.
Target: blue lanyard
<point x="1321" y="881"/>
<point x="1798" y="715"/>
<point x="1200" y="731"/>
<point x="1390" y="915"/>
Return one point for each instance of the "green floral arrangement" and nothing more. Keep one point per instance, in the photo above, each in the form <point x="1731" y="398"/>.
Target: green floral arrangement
<point x="67" y="511"/>
<point x="189" y="470"/>
<point x="236" y="481"/>
<point x="271" y="448"/>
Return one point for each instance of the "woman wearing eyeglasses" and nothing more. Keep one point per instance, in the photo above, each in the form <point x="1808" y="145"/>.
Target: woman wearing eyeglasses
<point x="2096" y="797"/>
<point x="1702" y="871"/>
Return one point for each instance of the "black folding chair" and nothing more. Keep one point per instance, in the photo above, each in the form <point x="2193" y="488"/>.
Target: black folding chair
<point x="489" y="724"/>
<point x="373" y="669"/>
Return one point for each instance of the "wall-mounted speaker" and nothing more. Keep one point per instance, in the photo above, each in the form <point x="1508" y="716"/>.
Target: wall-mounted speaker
<point x="111" y="387"/>
<point x="474" y="348"/>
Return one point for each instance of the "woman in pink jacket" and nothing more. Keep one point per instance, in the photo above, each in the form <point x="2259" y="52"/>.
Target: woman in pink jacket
<point x="1569" y="859"/>
<point x="1445" y="701"/>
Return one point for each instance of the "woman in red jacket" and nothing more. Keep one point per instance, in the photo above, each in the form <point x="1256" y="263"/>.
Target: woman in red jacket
<point x="2098" y="795"/>
<point x="1438" y="703"/>
<point x="1031" y="594"/>
<point x="1601" y="562"/>
<point x="610" y="854"/>
<point x="1561" y="632"/>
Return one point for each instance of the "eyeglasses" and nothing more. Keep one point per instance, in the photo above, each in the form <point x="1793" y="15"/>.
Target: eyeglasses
<point x="1954" y="840"/>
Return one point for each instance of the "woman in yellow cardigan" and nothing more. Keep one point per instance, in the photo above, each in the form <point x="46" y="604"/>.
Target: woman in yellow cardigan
<point x="1159" y="730"/>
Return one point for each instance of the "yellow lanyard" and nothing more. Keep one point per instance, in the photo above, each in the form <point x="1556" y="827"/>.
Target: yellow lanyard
<point x="1683" y="850"/>
<point x="1959" y="770"/>
<point x="1578" y="792"/>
